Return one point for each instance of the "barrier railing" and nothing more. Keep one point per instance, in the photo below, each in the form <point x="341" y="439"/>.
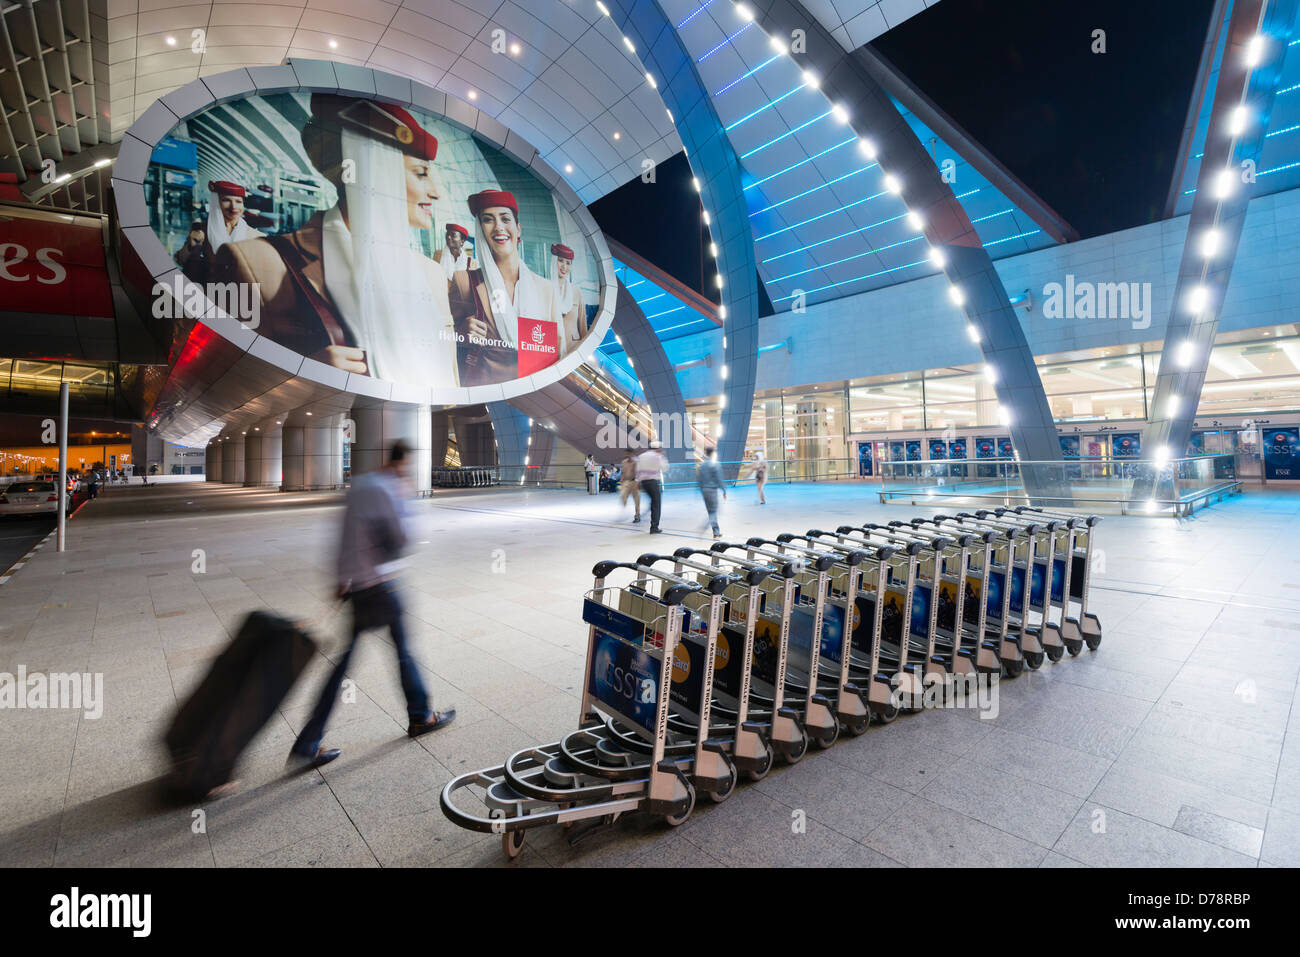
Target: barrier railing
<point x="683" y="473"/>
<point x="1175" y="488"/>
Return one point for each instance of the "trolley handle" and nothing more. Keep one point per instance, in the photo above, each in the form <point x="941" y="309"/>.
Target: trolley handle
<point x="873" y="553"/>
<point x="1029" y="528"/>
<point x="851" y="556"/>
<point x="820" y="561"/>
<point x="907" y="547"/>
<point x="938" y="543"/>
<point x="1005" y="514"/>
<point x="754" y="574"/>
<point x="678" y="588"/>
<point x="1089" y="520"/>
<point x="718" y="581"/>
<point x="783" y="567"/>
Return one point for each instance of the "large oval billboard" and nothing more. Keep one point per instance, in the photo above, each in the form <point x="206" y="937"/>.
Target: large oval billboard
<point x="376" y="238"/>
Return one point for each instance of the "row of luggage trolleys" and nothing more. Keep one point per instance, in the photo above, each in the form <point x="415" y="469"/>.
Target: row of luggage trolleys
<point x="469" y="476"/>
<point x="710" y="663"/>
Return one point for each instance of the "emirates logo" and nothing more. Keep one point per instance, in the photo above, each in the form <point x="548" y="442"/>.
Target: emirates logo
<point x="538" y="335"/>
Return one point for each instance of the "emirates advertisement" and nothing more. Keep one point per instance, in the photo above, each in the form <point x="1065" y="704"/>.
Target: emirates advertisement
<point x="378" y="240"/>
<point x="52" y="264"/>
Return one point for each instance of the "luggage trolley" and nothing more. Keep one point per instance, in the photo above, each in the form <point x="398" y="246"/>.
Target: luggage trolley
<point x="851" y="702"/>
<point x="943" y="573"/>
<point x="962" y="602"/>
<point x="876" y="622"/>
<point x="903" y="642"/>
<point x="587" y="776"/>
<point x="1080" y="572"/>
<point x="1027" y="596"/>
<point x="808" y="633"/>
<point x="746" y="742"/>
<point x="790" y="600"/>
<point x="1000" y="626"/>
<point x="1060" y="566"/>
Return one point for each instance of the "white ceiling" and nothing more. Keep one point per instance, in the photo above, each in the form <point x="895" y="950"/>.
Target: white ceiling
<point x="569" y="87"/>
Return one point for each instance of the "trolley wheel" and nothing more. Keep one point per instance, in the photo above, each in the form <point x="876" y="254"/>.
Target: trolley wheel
<point x="675" y="820"/>
<point x="761" y="771"/>
<point x="857" y="726"/>
<point x="798" y="749"/>
<point x="1014" y="666"/>
<point x="717" y="797"/>
<point x="1034" y="659"/>
<point x="888" y="715"/>
<point x="1074" y="647"/>
<point x="1092" y="642"/>
<point x="1055" y="652"/>
<point x="512" y="842"/>
<point x="828" y="737"/>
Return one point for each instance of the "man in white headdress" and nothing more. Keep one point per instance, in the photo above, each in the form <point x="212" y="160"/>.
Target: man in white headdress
<point x="225" y="224"/>
<point x="567" y="294"/>
<point x="348" y="288"/>
<point x="453" y="257"/>
<point x="508" y="315"/>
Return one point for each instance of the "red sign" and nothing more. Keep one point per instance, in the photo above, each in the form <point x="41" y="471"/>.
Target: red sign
<point x="539" y="344"/>
<point x="53" y="266"/>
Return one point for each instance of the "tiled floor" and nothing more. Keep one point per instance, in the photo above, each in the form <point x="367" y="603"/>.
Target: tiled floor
<point x="1176" y="743"/>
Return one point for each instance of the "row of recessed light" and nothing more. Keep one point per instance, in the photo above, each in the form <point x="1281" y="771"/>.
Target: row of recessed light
<point x="1211" y="241"/>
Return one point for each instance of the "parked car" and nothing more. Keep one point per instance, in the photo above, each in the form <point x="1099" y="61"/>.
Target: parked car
<point x="30" y="498"/>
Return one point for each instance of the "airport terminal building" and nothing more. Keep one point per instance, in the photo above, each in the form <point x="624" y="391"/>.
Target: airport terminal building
<point x="967" y="444"/>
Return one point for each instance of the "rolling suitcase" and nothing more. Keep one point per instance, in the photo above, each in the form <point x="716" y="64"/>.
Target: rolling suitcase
<point x="242" y="690"/>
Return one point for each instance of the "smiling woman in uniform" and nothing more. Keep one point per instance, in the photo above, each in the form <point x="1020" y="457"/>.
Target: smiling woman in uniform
<point x="507" y="314"/>
<point x="347" y="289"/>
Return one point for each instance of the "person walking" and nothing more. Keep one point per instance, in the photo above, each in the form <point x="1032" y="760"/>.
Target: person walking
<point x="93" y="486"/>
<point x="709" y="476"/>
<point x="370" y="547"/>
<point x="650" y="467"/>
<point x="592" y="470"/>
<point x="760" y="475"/>
<point x="627" y="485"/>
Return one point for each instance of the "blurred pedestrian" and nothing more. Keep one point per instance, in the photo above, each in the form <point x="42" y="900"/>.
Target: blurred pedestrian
<point x="709" y="476"/>
<point x="369" y="557"/>
<point x="93" y="484"/>
<point x="627" y="485"/>
<point x="759" y="470"/>
<point x="650" y="467"/>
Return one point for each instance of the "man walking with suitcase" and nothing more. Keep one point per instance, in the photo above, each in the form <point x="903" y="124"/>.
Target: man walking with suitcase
<point x="374" y="536"/>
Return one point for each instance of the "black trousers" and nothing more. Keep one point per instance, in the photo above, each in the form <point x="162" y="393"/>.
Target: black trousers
<point x="655" y="490"/>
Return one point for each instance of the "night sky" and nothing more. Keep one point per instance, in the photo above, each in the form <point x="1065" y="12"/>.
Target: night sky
<point x="1094" y="135"/>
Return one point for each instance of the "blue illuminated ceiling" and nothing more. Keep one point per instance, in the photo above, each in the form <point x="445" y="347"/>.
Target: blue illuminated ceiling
<point x="671" y="316"/>
<point x="824" y="221"/>
<point x="1279" y="160"/>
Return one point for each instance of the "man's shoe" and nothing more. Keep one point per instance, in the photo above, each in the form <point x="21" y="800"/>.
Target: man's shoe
<point x="656" y="531"/>
<point x="637" y="520"/>
<point x="303" y="762"/>
<point x="438" y="720"/>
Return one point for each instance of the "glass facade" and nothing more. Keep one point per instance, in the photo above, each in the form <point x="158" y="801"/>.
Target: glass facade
<point x="812" y="431"/>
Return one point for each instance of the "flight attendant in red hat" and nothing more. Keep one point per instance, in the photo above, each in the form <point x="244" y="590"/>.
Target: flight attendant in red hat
<point x="508" y="315"/>
<point x="225" y="224"/>
<point x="452" y="256"/>
<point x="568" y="295"/>
<point x="349" y="288"/>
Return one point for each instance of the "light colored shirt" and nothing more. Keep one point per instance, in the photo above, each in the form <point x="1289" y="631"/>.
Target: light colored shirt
<point x="374" y="531"/>
<point x="650" y="465"/>
<point x="452" y="266"/>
